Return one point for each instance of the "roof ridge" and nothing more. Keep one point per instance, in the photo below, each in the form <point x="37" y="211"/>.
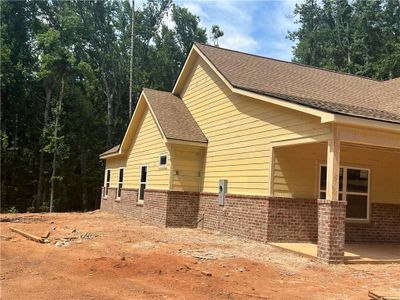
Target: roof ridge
<point x="295" y="63"/>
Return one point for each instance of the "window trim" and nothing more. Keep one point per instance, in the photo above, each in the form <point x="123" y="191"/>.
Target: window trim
<point x="107" y="183"/>
<point x="345" y="192"/>
<point x="166" y="160"/>
<point x="140" y="201"/>
<point x="119" y="191"/>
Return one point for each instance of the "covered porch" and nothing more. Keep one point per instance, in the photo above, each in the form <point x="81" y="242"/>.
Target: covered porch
<point x="354" y="174"/>
<point x="357" y="253"/>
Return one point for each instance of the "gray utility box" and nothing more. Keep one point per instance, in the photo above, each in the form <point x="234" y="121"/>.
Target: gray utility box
<point x="222" y="190"/>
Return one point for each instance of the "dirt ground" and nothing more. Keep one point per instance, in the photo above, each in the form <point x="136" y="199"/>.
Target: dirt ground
<point x="103" y="256"/>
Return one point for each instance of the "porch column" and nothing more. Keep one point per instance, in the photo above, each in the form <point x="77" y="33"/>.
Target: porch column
<point x="331" y="211"/>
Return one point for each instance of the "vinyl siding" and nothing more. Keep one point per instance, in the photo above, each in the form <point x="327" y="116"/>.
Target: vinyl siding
<point x="187" y="164"/>
<point x="146" y="148"/>
<point x="239" y="130"/>
<point x="114" y="164"/>
<point x="297" y="170"/>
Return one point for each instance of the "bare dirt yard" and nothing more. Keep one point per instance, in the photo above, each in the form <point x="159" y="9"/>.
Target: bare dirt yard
<point x="104" y="256"/>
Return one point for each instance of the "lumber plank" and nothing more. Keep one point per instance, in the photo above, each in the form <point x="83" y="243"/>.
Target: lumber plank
<point x="27" y="235"/>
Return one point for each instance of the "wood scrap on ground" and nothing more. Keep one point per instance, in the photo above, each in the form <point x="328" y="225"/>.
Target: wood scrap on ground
<point x="45" y="236"/>
<point x="375" y="296"/>
<point x="5" y="237"/>
<point x="28" y="235"/>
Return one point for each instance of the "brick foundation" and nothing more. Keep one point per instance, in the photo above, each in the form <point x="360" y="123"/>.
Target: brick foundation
<point x="272" y="219"/>
<point x="261" y="218"/>
<point x="292" y="220"/>
<point x="383" y="227"/>
<point x="126" y="205"/>
<point x="160" y="207"/>
<point x="331" y="230"/>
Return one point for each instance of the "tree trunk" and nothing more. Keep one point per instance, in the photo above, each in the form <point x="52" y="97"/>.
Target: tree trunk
<point x="82" y="158"/>
<point x="131" y="64"/>
<point x="39" y="196"/>
<point x="109" y="119"/>
<point x="58" y="113"/>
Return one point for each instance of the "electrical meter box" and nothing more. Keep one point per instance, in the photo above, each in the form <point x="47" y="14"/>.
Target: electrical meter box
<point x="222" y="190"/>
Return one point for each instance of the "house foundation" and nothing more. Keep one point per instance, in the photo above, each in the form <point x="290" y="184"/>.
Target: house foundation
<point x="261" y="218"/>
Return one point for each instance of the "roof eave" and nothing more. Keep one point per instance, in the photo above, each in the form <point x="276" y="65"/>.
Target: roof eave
<point x="361" y="122"/>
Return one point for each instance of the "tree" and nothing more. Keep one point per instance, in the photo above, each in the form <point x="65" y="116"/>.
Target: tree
<point x="65" y="69"/>
<point x="216" y="33"/>
<point x="359" y="37"/>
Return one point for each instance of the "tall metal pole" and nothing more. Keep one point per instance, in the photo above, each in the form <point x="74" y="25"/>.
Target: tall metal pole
<point x="131" y="65"/>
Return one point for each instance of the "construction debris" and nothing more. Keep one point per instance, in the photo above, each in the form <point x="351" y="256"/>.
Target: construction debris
<point x="374" y="296"/>
<point x="206" y="273"/>
<point x="29" y="236"/>
<point x="62" y="242"/>
<point x="45" y="236"/>
<point x="88" y="236"/>
<point x="5" y="237"/>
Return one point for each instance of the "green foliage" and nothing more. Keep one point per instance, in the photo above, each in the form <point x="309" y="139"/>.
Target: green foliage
<point x="360" y="37"/>
<point x="44" y="207"/>
<point x="30" y="209"/>
<point x="216" y="33"/>
<point x="85" y="44"/>
<point x="12" y="210"/>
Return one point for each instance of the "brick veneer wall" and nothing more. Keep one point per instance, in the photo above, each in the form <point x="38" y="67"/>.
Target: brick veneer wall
<point x="384" y="225"/>
<point x="331" y="230"/>
<point x="292" y="220"/>
<point x="155" y="207"/>
<point x="126" y="205"/>
<point x="182" y="209"/>
<point x="107" y="203"/>
<point x="241" y="215"/>
<point x="261" y="218"/>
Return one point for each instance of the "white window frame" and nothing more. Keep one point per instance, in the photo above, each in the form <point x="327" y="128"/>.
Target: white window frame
<point x="119" y="190"/>
<point x="107" y="183"/>
<point x="345" y="192"/>
<point x="166" y="160"/>
<point x="140" y="201"/>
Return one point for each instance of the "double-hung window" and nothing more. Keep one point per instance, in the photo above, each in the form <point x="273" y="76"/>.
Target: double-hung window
<point x="108" y="177"/>
<point x="120" y="182"/>
<point x="353" y="188"/>
<point x="143" y="182"/>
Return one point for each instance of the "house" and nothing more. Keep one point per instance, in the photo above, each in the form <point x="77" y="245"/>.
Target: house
<point x="265" y="149"/>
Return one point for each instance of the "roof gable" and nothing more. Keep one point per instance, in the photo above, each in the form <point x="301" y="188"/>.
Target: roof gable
<point x="322" y="90"/>
<point x="171" y="116"/>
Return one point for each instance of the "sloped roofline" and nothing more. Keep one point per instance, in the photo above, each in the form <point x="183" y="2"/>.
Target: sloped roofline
<point x="137" y="115"/>
<point x="325" y="116"/>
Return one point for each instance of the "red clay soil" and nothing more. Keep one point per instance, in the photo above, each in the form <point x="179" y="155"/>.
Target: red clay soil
<point x="104" y="256"/>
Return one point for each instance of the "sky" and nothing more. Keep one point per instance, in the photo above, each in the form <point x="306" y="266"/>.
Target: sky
<point x="253" y="26"/>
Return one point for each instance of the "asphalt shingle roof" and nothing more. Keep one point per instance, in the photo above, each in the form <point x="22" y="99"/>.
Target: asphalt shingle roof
<point x="174" y="117"/>
<point x="309" y="86"/>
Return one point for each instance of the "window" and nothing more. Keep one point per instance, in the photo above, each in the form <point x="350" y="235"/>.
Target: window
<point x="353" y="188"/>
<point x="143" y="182"/>
<point x="120" y="182"/>
<point x="108" y="177"/>
<point x="163" y="160"/>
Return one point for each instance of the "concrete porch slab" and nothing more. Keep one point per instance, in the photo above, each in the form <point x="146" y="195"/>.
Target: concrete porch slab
<point x="354" y="253"/>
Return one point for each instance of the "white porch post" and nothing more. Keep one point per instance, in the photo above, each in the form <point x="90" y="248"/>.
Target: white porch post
<point x="333" y="169"/>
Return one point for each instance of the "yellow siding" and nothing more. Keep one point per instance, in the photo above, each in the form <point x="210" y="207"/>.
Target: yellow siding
<point x="187" y="163"/>
<point x="239" y="130"/>
<point x="146" y="148"/>
<point x="297" y="170"/>
<point x="114" y="164"/>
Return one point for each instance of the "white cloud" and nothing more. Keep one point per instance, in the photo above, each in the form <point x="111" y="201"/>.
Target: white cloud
<point x="258" y="27"/>
<point x="241" y="42"/>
